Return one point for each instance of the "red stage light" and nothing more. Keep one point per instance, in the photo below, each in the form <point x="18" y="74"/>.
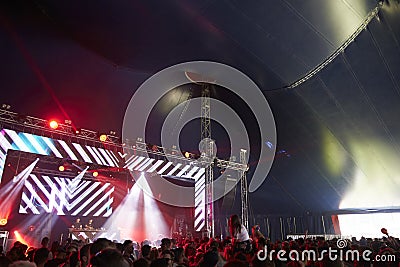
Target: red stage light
<point x="3" y="222"/>
<point x="95" y="174"/>
<point x="53" y="124"/>
<point x="103" y="137"/>
<point x="61" y="168"/>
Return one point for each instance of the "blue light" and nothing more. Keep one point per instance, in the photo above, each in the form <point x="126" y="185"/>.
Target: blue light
<point x="269" y="144"/>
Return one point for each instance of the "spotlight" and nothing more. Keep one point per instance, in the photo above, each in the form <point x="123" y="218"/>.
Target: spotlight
<point x="95" y="174"/>
<point x="5" y="106"/>
<point x="21" y="118"/>
<point x="77" y="131"/>
<point x="53" y="124"/>
<point x="187" y="154"/>
<point x="103" y="137"/>
<point x="3" y="222"/>
<point x="154" y="148"/>
<point x="61" y="168"/>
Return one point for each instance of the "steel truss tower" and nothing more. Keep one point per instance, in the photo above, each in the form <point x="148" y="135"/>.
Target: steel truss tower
<point x="208" y="150"/>
<point x="209" y="160"/>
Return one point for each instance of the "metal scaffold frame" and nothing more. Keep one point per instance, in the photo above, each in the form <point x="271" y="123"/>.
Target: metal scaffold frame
<point x="208" y="150"/>
<point x="67" y="130"/>
<point x="207" y="158"/>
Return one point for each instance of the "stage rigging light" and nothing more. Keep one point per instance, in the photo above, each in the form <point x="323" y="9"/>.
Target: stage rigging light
<point x="3" y="222"/>
<point x="5" y="106"/>
<point x="187" y="154"/>
<point x="61" y="168"/>
<point x="103" y="137"/>
<point x="53" y="124"/>
<point x="95" y="174"/>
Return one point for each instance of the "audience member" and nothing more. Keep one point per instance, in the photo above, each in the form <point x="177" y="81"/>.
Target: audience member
<point x="4" y="261"/>
<point x="109" y="257"/>
<point x="84" y="255"/>
<point x="41" y="256"/>
<point x="22" y="264"/>
<point x="60" y="258"/>
<point x="239" y="234"/>
<point x="161" y="262"/>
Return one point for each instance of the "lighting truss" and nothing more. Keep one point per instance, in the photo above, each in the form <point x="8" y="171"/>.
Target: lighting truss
<point x="340" y="49"/>
<point x="171" y="153"/>
<point x="16" y="120"/>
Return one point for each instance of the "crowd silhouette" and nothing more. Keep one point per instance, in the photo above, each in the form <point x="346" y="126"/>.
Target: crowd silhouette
<point x="241" y="249"/>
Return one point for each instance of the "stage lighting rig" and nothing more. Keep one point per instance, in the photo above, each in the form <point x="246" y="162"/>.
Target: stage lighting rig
<point x="19" y="122"/>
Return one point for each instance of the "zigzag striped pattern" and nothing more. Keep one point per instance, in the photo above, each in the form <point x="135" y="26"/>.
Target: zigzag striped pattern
<point x="26" y="142"/>
<point x="43" y="194"/>
<point x="200" y="203"/>
<point x="66" y="200"/>
<point x="163" y="167"/>
<point x="144" y="164"/>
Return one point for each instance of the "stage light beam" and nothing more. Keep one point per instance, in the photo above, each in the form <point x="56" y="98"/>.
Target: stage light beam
<point x="20" y="238"/>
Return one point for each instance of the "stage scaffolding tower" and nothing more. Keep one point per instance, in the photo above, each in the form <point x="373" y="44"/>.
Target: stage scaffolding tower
<point x="208" y="150"/>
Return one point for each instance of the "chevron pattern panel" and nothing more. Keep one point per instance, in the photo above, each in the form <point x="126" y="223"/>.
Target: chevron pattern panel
<point x="64" y="196"/>
<point x="144" y="164"/>
<point x="26" y="142"/>
<point x="163" y="167"/>
<point x="200" y="203"/>
<point x="45" y="194"/>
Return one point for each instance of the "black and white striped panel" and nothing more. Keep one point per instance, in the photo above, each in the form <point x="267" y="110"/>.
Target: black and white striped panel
<point x="10" y="139"/>
<point x="163" y="167"/>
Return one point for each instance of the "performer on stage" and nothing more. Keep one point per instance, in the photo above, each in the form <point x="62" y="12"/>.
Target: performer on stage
<point x="89" y="225"/>
<point x="77" y="224"/>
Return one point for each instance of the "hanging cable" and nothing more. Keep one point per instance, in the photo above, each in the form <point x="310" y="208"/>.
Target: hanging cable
<point x="187" y="103"/>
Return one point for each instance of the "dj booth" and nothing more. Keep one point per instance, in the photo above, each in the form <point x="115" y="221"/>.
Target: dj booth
<point x="86" y="234"/>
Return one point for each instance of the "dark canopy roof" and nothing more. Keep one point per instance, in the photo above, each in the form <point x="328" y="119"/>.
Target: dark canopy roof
<point x="336" y="129"/>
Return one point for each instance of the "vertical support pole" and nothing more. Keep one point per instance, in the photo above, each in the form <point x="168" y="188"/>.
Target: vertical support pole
<point x="244" y="191"/>
<point x="209" y="152"/>
<point x="210" y="195"/>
